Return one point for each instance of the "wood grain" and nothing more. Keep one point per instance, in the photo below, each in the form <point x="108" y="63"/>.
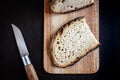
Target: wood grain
<point x="31" y="73"/>
<point x="52" y="22"/>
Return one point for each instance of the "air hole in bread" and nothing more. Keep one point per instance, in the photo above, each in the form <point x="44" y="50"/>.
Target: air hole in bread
<point x="68" y="55"/>
<point x="54" y="7"/>
<point x="77" y="57"/>
<point x="65" y="49"/>
<point x="68" y="24"/>
<point x="61" y="61"/>
<point x="73" y="54"/>
<point x="67" y="6"/>
<point x="65" y="36"/>
<point x="90" y="1"/>
<point x="59" y="47"/>
<point x="58" y="42"/>
<point x="63" y="1"/>
<point x="59" y="0"/>
<point x="71" y="6"/>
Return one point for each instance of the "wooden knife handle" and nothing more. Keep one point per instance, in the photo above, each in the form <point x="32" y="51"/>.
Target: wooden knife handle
<point x="31" y="72"/>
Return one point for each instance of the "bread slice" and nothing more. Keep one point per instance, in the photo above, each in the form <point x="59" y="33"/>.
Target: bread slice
<point x="63" y="6"/>
<point x="71" y="42"/>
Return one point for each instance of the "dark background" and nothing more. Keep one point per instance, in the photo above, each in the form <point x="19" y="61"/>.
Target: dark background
<point x="28" y="16"/>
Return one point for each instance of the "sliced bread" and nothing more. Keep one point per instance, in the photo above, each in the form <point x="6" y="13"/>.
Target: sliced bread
<point x="63" y="6"/>
<point x="71" y="42"/>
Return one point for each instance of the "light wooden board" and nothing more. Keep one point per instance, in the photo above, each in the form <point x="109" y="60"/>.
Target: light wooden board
<point x="52" y="22"/>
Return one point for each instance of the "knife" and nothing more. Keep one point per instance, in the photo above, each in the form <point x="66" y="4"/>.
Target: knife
<point x="31" y="73"/>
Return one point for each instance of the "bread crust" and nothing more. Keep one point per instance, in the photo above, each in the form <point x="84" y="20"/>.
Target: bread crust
<point x="59" y="32"/>
<point x="53" y="2"/>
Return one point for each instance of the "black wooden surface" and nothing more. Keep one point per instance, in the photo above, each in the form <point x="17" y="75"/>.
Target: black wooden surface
<point x="28" y="16"/>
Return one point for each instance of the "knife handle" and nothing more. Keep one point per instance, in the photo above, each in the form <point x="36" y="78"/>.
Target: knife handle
<point x="31" y="72"/>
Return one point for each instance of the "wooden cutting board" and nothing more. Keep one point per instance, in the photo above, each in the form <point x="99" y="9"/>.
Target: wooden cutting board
<point x="88" y="64"/>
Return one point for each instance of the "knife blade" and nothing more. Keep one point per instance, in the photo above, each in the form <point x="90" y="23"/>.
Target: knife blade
<point x="31" y="73"/>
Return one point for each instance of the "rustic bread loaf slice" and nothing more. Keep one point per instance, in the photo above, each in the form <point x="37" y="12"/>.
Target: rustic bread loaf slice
<point x="71" y="42"/>
<point x="63" y="6"/>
